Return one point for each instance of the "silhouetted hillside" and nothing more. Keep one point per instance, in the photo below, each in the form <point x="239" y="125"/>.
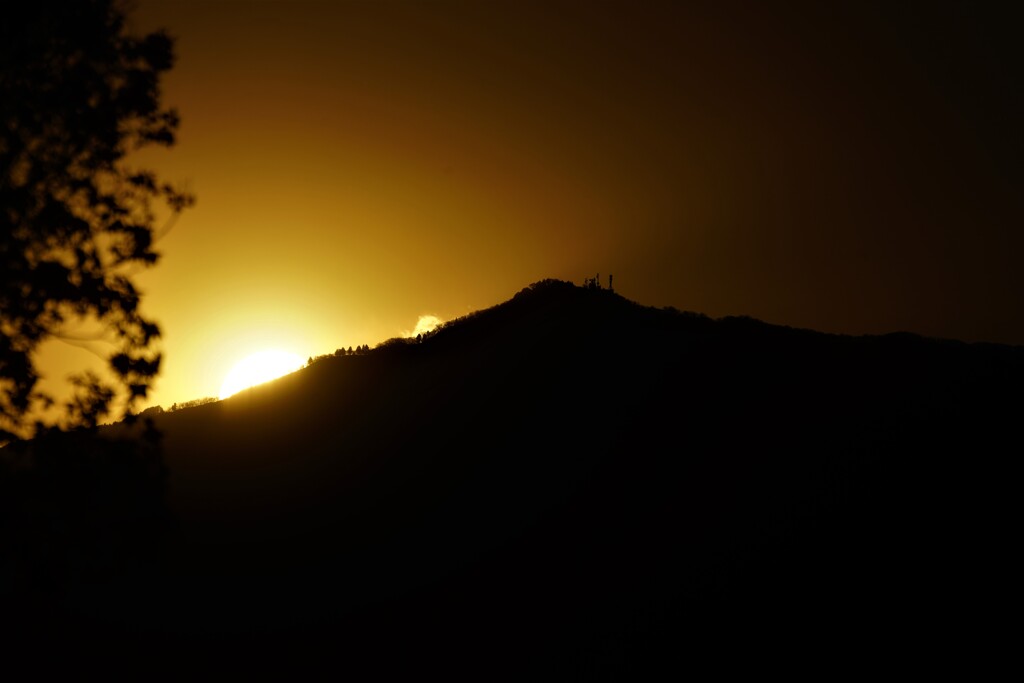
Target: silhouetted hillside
<point x="575" y="482"/>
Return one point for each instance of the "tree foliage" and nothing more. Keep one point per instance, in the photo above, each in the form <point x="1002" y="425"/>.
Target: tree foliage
<point x="194" y="403"/>
<point x="78" y="95"/>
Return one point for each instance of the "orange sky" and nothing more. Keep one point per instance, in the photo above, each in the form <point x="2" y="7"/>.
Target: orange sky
<point x="359" y="164"/>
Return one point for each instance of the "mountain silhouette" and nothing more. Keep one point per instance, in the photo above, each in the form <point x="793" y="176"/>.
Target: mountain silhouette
<point x="573" y="481"/>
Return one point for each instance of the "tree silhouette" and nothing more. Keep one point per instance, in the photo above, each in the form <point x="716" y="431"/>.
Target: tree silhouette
<point x="77" y="96"/>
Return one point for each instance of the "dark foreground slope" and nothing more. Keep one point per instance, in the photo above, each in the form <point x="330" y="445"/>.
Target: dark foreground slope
<point x="574" y="482"/>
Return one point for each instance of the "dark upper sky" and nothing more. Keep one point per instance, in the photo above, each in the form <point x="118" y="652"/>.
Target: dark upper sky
<point x="359" y="164"/>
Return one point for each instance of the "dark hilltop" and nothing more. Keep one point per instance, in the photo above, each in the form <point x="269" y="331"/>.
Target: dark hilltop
<point x="568" y="483"/>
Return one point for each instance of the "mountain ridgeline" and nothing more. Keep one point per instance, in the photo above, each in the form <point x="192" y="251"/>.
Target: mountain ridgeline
<point x="574" y="477"/>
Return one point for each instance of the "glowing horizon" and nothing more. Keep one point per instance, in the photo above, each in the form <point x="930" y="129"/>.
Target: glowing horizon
<point x="724" y="162"/>
<point x="259" y="368"/>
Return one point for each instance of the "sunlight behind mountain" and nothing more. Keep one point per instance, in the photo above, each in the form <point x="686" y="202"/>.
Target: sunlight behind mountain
<point x="259" y="368"/>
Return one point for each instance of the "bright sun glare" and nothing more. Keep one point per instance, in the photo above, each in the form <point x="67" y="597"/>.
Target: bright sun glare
<point x="259" y="368"/>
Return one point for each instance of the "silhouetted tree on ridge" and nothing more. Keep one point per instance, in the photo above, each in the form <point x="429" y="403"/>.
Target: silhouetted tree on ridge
<point x="193" y="403"/>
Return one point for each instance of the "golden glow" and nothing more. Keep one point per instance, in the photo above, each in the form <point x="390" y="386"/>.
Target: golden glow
<point x="426" y="323"/>
<point x="360" y="164"/>
<point x="259" y="368"/>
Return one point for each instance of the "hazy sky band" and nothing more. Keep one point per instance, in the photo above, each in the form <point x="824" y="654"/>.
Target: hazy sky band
<point x="358" y="165"/>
